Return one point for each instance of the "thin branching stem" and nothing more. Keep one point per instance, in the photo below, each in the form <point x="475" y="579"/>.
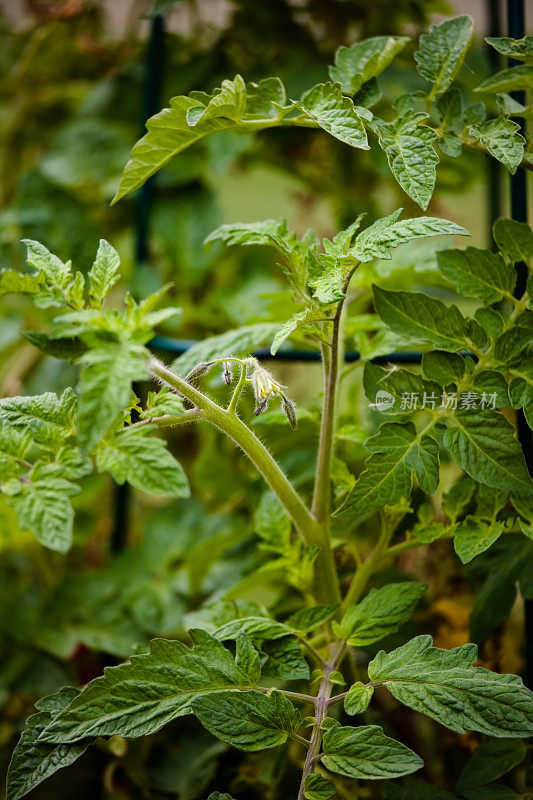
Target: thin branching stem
<point x="167" y="420"/>
<point x="326" y="584"/>
<point x="302" y="698"/>
<point x="241" y="383"/>
<point x="316" y="655"/>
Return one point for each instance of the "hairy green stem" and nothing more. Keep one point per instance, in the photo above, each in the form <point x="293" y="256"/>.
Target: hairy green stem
<point x="302" y="698"/>
<point x="321" y="506"/>
<point x="241" y="383"/>
<point x="322" y="489"/>
<point x="321" y="702"/>
<point x="326" y="585"/>
<point x="167" y="420"/>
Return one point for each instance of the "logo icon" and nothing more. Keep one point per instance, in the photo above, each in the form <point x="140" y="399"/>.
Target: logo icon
<point x="384" y="401"/>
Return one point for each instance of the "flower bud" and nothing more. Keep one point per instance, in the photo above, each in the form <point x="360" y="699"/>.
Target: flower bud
<point x="227" y="374"/>
<point x="261" y="406"/>
<point x="289" y="409"/>
<point x="200" y="369"/>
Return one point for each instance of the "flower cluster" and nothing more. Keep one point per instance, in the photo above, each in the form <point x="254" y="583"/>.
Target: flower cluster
<point x="265" y="387"/>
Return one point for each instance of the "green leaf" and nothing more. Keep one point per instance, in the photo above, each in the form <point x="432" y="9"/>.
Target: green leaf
<point x="318" y="788"/>
<point x="366" y="753"/>
<point x="513" y="558"/>
<point x="238" y="342"/>
<point x="298" y="254"/>
<point x="228" y="102"/>
<point x="427" y="532"/>
<point x="358" y="698"/>
<point x="422" y="318"/>
<point x="493" y="385"/>
<point x="475" y="113"/>
<point x="51" y="419"/>
<point x="219" y="796"/>
<point x="336" y="114"/>
<point x="286" y="329"/>
<point x="328" y="287"/>
<point x="446" y="686"/>
<point x="64" y="347"/>
<point x="458" y="497"/>
<point x="490" y="761"/>
<point x="247" y="658"/>
<point x="33" y="761"/>
<point x="382" y="612"/>
<point x="254" y="628"/>
<point x="520" y="49"/>
<point x="369" y="94"/>
<point x="502" y="139"/>
<point x="57" y="283"/>
<point x="169" y="133"/>
<point x="523" y="503"/>
<point x="521" y="387"/>
<point x="484" y="445"/>
<point x="443" y="368"/>
<point x="13" y="282"/>
<point x="104" y="273"/>
<point x="378" y="239"/>
<point x="139" y="697"/>
<point x="512" y="344"/>
<point x="133" y="455"/>
<point x="450" y="108"/>
<point x="398" y="452"/>
<point x="451" y="144"/>
<point x="272" y="522"/>
<point x="489" y="501"/>
<point x="491" y="321"/>
<point x="43" y="506"/>
<point x="14" y="444"/>
<point x="105" y="388"/>
<point x="398" y="391"/>
<point x="473" y="536"/>
<point x="412" y="159"/>
<point x="307" y="619"/>
<point x="163" y="402"/>
<point x="248" y="720"/>
<point x="273" y="232"/>
<point x="234" y="107"/>
<point x="509" y="80"/>
<point x="284" y="660"/>
<point x="477" y="273"/>
<point x="441" y="52"/>
<point x="357" y="64"/>
<point x="43" y="261"/>
<point x="514" y="239"/>
<point x="265" y="98"/>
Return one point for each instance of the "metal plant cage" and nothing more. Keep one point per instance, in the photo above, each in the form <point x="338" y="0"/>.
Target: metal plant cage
<point x="154" y="72"/>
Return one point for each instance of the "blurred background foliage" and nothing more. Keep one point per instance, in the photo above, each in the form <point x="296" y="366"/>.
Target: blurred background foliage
<point x="73" y="97"/>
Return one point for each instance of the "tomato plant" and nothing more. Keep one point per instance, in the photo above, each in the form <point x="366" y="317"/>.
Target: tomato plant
<point x="329" y="535"/>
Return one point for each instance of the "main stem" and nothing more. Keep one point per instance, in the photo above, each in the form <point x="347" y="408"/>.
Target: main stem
<point x="321" y="506"/>
<point x="326" y="584"/>
<point x="321" y="705"/>
<point x="322" y="490"/>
